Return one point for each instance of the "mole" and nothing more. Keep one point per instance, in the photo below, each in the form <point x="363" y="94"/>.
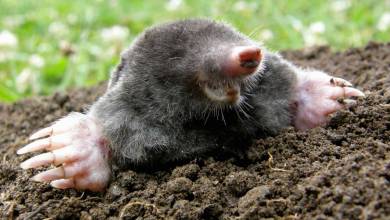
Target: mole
<point x="183" y="89"/>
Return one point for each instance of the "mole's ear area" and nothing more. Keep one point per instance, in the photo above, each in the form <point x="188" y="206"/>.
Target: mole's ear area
<point x="241" y="61"/>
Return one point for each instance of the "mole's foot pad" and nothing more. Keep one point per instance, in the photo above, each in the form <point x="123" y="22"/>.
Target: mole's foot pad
<point x="76" y="145"/>
<point x="319" y="95"/>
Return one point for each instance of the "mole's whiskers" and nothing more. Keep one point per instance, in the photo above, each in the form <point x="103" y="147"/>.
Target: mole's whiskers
<point x="241" y="105"/>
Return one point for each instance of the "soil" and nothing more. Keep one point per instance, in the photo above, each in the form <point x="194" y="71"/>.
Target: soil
<point x="341" y="171"/>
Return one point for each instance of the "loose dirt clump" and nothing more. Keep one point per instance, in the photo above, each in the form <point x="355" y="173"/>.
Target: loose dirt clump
<point x="341" y="171"/>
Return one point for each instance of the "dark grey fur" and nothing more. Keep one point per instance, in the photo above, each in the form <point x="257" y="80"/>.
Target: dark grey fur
<point x="154" y="111"/>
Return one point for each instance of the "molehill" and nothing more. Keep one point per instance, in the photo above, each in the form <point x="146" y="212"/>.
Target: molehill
<point x="341" y="171"/>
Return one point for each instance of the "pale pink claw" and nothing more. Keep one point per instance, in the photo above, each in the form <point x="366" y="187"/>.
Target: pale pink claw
<point x="63" y="183"/>
<point x="76" y="143"/>
<point x="340" y="82"/>
<point x="77" y="184"/>
<point x="49" y="175"/>
<point x="42" y="133"/>
<point x="50" y="143"/>
<point x="344" y="92"/>
<point x="39" y="160"/>
<point x="59" y="127"/>
<point x="56" y="157"/>
<point x="317" y="96"/>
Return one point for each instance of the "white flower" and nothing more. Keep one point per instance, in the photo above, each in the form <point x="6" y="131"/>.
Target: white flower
<point x="309" y="38"/>
<point x="116" y="34"/>
<point x="340" y="5"/>
<point x="240" y="6"/>
<point x="8" y="43"/>
<point x="312" y="34"/>
<point x="8" y="40"/>
<point x="58" y="29"/>
<point x="244" y="6"/>
<point x="312" y="38"/>
<point x="36" y="61"/>
<point x="266" y="35"/>
<point x="317" y="27"/>
<point x="384" y="22"/>
<point x="296" y="23"/>
<point x="25" y="80"/>
<point x="173" y="5"/>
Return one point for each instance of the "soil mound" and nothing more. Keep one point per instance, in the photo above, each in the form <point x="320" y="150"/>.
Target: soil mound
<point x="341" y="171"/>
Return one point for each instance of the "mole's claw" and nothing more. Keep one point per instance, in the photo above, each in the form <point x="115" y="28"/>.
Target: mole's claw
<point x="49" y="175"/>
<point x="63" y="183"/>
<point x="69" y="123"/>
<point x="96" y="183"/>
<point x="50" y="143"/>
<point x="356" y="92"/>
<point x="80" y="174"/>
<point x="318" y="95"/>
<point x="62" y="155"/>
<point x="352" y="92"/>
<point x="39" y="160"/>
<point x="340" y="82"/>
<point x="75" y="142"/>
<point x="67" y="170"/>
<point x="345" y="92"/>
<point x="42" y="133"/>
<point x="91" y="180"/>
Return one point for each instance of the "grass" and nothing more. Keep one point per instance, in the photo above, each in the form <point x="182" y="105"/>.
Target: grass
<point x="47" y="31"/>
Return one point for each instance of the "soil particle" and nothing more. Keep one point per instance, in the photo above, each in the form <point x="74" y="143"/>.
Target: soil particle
<point x="190" y="171"/>
<point x="239" y="183"/>
<point x="341" y="171"/>
<point x="253" y="198"/>
<point x="178" y="185"/>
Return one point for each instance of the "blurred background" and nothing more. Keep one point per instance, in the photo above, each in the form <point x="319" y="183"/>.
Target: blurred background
<point x="47" y="46"/>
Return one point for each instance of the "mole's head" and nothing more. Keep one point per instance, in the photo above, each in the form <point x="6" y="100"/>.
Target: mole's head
<point x="203" y="62"/>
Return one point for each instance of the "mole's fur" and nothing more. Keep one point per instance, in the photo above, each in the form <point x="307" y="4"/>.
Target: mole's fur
<point x="155" y="109"/>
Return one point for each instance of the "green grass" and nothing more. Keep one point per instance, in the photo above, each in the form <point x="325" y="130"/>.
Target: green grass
<point x="41" y="26"/>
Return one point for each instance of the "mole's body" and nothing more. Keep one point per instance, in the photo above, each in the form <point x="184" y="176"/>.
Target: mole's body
<point x="183" y="89"/>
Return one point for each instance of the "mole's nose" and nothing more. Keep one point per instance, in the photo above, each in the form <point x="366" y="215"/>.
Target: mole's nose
<point x="243" y="60"/>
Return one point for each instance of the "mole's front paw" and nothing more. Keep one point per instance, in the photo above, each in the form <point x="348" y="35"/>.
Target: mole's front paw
<point x="318" y="95"/>
<point x="77" y="145"/>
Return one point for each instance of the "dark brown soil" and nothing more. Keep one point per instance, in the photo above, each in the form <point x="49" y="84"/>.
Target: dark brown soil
<point x="338" y="172"/>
